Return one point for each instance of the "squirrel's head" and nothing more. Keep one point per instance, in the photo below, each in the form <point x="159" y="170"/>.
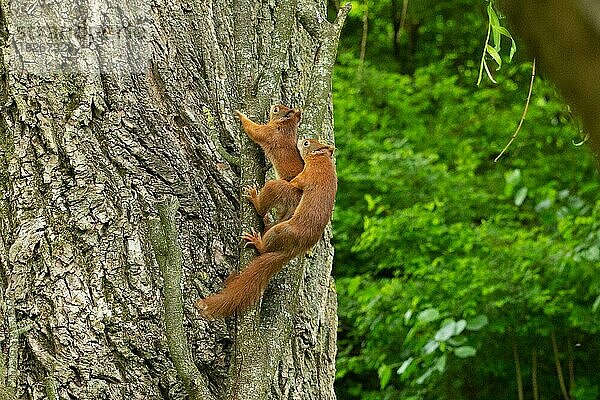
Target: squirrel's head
<point x="283" y="113"/>
<point x="314" y="148"/>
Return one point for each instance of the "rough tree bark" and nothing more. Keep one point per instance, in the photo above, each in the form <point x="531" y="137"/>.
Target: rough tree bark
<point x="111" y="110"/>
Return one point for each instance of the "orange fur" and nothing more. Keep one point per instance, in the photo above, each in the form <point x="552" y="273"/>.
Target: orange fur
<point x="278" y="139"/>
<point x="278" y="194"/>
<point x="287" y="239"/>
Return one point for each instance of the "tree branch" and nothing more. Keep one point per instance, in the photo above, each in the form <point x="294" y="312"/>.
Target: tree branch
<point x="340" y="19"/>
<point x="316" y="24"/>
<point x="163" y="235"/>
<point x="311" y="19"/>
<point x="327" y="35"/>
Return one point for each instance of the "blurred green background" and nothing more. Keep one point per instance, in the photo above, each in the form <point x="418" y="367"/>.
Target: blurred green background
<point x="459" y="277"/>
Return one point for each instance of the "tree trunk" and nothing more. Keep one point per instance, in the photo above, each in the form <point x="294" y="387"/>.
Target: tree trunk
<point x="571" y="368"/>
<point x="559" y="372"/>
<point x="534" y="377"/>
<point x="108" y="109"/>
<point x="518" y="375"/>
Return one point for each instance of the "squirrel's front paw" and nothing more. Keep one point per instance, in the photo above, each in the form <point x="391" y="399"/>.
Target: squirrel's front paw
<point x="252" y="237"/>
<point x="250" y="192"/>
<point x="239" y="114"/>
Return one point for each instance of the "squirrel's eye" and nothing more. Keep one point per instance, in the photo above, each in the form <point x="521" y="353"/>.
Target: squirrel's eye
<point x="306" y="143"/>
<point x="275" y="110"/>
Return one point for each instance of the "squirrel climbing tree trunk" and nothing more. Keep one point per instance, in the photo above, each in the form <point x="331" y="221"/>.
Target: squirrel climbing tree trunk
<point x="121" y="169"/>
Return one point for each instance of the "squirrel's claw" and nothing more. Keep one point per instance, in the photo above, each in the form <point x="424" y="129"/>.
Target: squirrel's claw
<point x="251" y="237"/>
<point x="246" y="235"/>
<point x="250" y="192"/>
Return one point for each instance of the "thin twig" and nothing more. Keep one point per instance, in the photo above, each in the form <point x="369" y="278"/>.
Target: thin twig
<point x="522" y="116"/>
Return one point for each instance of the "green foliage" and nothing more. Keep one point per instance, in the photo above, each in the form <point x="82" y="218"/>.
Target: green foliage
<point x="496" y="31"/>
<point x="445" y="259"/>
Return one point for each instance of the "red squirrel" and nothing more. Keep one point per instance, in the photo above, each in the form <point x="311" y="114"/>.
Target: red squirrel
<point x="286" y="240"/>
<point x="278" y="140"/>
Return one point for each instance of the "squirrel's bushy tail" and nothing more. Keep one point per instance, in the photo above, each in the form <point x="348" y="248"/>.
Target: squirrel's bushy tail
<point x="244" y="289"/>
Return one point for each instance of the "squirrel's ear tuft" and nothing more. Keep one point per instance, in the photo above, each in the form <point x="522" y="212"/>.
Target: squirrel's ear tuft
<point x="327" y="150"/>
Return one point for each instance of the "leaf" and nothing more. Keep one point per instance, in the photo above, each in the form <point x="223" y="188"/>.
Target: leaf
<point x="428" y="315"/>
<point x="502" y="30"/>
<point x="460" y="326"/>
<point x="513" y="49"/>
<point x="596" y="304"/>
<point x="520" y="196"/>
<point x="493" y="17"/>
<point x="430" y="347"/>
<point x="513" y="46"/>
<point x="354" y="285"/>
<point x="440" y="363"/>
<point x="411" y="333"/>
<point x="405" y="365"/>
<point x="457" y="341"/>
<point x="592" y="253"/>
<point x="407" y="316"/>
<point x="480" y="75"/>
<point x="512" y="178"/>
<point x="445" y="332"/>
<point x="496" y="37"/>
<point x="494" y="53"/>
<point x="487" y="71"/>
<point x="465" y="351"/>
<point x="385" y="374"/>
<point x="424" y="377"/>
<point x="495" y="24"/>
<point x="477" y="323"/>
<point x="371" y="202"/>
<point x="543" y="205"/>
